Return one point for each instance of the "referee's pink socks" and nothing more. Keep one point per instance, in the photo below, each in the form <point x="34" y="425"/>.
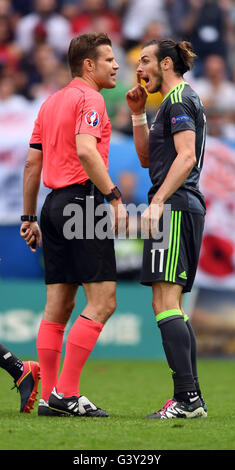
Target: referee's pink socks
<point x="80" y="342"/>
<point x="49" y="348"/>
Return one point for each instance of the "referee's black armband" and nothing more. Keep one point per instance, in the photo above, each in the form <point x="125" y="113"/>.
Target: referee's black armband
<point x="36" y="146"/>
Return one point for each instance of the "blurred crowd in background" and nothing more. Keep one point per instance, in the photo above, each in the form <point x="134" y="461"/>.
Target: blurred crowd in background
<point x="35" y="35"/>
<point x="34" y="39"/>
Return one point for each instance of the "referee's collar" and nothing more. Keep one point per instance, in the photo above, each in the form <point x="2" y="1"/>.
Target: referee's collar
<point x="78" y="83"/>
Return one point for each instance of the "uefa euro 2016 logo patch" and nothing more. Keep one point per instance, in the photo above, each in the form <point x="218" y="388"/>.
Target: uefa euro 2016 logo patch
<point x="92" y="118"/>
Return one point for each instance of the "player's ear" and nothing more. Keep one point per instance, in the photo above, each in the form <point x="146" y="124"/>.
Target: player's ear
<point x="166" y="63"/>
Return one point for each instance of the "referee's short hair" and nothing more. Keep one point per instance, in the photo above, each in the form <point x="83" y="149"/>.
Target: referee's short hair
<point x="181" y="53"/>
<point x="84" y="47"/>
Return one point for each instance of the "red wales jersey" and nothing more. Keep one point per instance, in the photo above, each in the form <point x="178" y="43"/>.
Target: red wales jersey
<point x="76" y="109"/>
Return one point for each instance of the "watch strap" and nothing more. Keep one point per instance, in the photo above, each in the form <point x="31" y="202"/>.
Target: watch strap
<point x="114" y="194"/>
<point x="29" y="218"/>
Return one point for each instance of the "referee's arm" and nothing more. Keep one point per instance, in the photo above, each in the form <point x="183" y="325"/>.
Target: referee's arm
<point x="93" y="163"/>
<point x="30" y="231"/>
<point x="32" y="180"/>
<point x="95" y="168"/>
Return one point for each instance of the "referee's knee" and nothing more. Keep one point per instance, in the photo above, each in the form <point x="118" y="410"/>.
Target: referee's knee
<point x="59" y="311"/>
<point x="70" y="306"/>
<point x="110" y="306"/>
<point x="105" y="307"/>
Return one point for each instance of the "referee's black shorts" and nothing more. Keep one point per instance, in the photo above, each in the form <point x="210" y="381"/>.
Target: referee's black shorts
<point x="177" y="263"/>
<point x="74" y="259"/>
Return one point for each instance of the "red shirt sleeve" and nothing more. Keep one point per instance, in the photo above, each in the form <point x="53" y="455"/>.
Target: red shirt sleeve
<point x="36" y="135"/>
<point x="90" y="115"/>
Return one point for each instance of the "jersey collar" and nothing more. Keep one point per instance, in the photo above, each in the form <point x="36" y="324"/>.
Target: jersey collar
<point x="173" y="89"/>
<point x="78" y="83"/>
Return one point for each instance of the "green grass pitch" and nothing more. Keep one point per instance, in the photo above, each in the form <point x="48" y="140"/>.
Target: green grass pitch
<point x="128" y="390"/>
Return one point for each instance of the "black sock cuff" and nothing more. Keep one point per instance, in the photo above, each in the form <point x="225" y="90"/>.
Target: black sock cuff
<point x="183" y="383"/>
<point x="169" y="315"/>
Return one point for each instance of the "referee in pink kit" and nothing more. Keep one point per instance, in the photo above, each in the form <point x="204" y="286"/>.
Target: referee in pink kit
<point x="70" y="144"/>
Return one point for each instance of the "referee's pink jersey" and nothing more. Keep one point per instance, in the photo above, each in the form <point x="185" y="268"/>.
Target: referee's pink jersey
<point x="76" y="109"/>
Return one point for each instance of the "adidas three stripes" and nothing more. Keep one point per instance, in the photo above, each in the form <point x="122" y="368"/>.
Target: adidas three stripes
<point x="178" y="263"/>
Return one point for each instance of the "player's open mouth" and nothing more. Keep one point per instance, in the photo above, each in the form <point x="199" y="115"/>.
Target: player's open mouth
<point x="146" y="79"/>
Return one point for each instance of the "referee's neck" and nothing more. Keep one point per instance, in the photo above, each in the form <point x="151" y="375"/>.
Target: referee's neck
<point x="89" y="81"/>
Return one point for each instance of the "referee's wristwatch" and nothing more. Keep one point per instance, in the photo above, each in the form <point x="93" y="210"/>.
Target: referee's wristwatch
<point x="29" y="218"/>
<point x="115" y="194"/>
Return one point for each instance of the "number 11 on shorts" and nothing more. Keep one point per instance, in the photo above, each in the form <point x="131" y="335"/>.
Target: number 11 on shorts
<point x="161" y="259"/>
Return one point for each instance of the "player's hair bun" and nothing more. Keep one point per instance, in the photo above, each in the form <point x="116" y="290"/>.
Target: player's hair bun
<point x="186" y="54"/>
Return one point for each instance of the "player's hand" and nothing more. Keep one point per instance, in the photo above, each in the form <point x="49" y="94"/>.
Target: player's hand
<point x="150" y="220"/>
<point x="136" y="97"/>
<point x="31" y="233"/>
<point x="119" y="217"/>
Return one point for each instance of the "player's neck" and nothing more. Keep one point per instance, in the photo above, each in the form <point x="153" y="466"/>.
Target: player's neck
<point x="170" y="83"/>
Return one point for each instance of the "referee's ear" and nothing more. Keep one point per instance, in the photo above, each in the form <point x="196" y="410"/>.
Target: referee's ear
<point x="88" y="65"/>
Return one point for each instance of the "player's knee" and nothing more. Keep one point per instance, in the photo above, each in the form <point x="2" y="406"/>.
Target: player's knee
<point x="159" y="307"/>
<point x="156" y="306"/>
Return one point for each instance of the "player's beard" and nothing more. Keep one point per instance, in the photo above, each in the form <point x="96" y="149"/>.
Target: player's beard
<point x="158" y="83"/>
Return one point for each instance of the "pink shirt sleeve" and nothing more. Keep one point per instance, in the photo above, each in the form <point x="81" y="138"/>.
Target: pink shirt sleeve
<point x="90" y="115"/>
<point x="36" y="135"/>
